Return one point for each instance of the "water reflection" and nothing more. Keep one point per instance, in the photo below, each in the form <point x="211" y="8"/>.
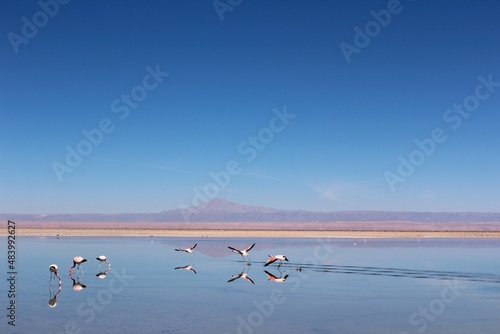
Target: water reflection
<point x="400" y="272"/>
<point x="277" y="279"/>
<point x="53" y="296"/>
<point x="243" y="274"/>
<point x="188" y="267"/>
<point x="77" y="283"/>
<point x="102" y="274"/>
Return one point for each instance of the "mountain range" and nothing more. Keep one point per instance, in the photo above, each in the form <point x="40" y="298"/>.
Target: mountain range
<point x="220" y="211"/>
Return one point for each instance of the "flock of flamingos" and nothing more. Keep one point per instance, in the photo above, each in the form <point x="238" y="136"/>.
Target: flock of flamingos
<point x="78" y="260"/>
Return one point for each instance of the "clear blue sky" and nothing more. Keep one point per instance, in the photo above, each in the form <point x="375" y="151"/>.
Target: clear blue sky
<point x="353" y="120"/>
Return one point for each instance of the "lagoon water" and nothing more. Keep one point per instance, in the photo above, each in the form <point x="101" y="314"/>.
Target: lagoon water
<point x="332" y="286"/>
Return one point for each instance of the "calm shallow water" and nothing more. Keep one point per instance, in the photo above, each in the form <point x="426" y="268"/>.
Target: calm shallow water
<point x="333" y="286"/>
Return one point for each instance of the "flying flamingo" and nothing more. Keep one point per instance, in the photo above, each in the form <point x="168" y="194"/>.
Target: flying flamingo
<point x="53" y="273"/>
<point x="77" y="261"/>
<point x="187" y="250"/>
<point x="188" y="267"/>
<point x="271" y="277"/>
<point x="275" y="258"/>
<point x="243" y="253"/>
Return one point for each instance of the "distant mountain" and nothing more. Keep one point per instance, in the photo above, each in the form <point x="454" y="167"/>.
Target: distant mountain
<point x="219" y="210"/>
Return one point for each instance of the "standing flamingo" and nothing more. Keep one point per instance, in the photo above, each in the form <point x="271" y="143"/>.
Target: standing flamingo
<point x="53" y="273"/>
<point x="77" y="261"/>
<point x="187" y="250"/>
<point x="243" y="253"/>
<point x="101" y="259"/>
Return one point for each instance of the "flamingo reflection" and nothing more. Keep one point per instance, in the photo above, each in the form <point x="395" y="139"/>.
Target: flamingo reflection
<point x="243" y="275"/>
<point x="53" y="296"/>
<point x="77" y="284"/>
<point x="188" y="267"/>
<point x="102" y="274"/>
<point x="271" y="277"/>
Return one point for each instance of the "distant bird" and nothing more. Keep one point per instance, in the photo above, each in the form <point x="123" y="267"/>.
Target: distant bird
<point x="101" y="259"/>
<point x="187" y="250"/>
<point x="77" y="261"/>
<point x="275" y="258"/>
<point x="243" y="275"/>
<point x="271" y="277"/>
<point x="53" y="273"/>
<point x="188" y="267"/>
<point x="243" y="253"/>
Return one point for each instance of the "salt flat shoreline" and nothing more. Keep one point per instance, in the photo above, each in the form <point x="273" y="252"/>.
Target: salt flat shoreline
<point x="221" y="233"/>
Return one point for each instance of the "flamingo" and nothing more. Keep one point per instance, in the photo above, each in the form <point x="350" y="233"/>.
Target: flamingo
<point x="275" y="258"/>
<point x="187" y="250"/>
<point x="243" y="275"/>
<point x="101" y="259"/>
<point x="53" y="273"/>
<point x="271" y="277"/>
<point x="188" y="267"/>
<point x="243" y="253"/>
<point x="77" y="261"/>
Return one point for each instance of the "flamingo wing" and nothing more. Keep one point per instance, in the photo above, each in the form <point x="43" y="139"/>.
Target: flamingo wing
<point x="234" y="250"/>
<point x="271" y="260"/>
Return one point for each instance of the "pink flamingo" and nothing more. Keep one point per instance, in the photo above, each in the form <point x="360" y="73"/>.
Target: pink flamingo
<point x="243" y="253"/>
<point x="77" y="261"/>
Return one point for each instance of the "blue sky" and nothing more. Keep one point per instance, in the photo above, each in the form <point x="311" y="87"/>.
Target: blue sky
<point x="180" y="93"/>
